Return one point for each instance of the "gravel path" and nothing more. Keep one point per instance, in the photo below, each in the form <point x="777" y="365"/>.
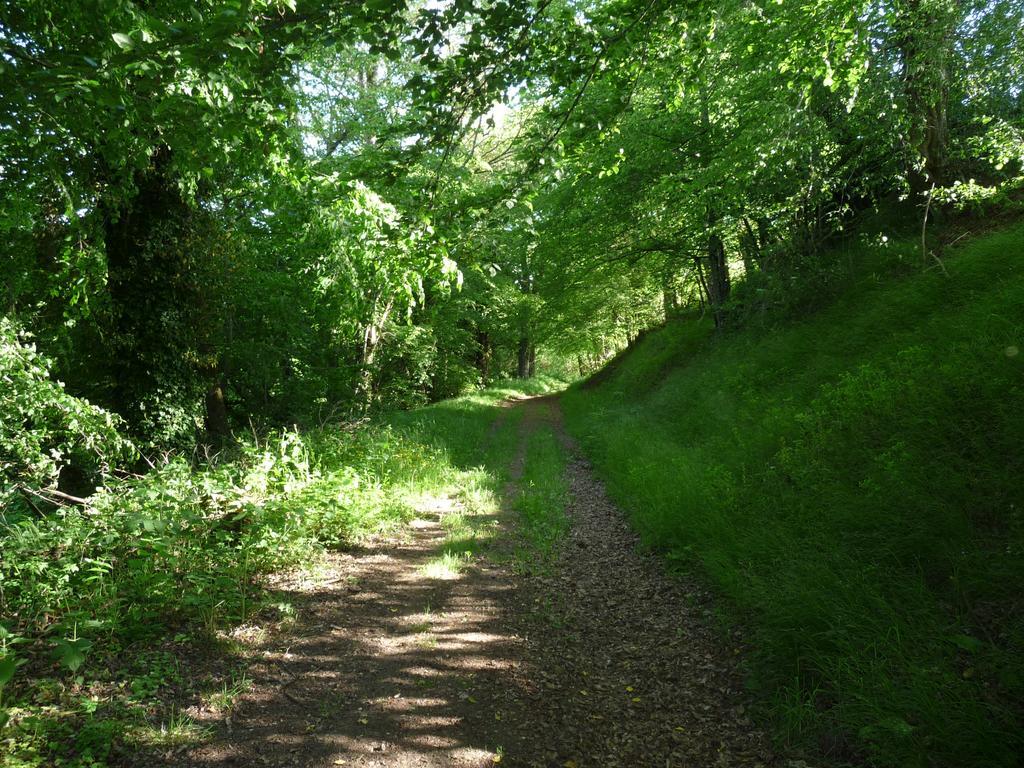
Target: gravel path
<point x="601" y="661"/>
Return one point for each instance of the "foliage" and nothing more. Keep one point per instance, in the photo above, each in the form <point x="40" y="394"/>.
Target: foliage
<point x="252" y="204"/>
<point x="272" y="217"/>
<point x="185" y="548"/>
<point x="43" y="429"/>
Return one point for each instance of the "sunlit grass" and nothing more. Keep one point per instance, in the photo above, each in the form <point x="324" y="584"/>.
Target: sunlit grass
<point x="277" y="504"/>
<point x="541" y="502"/>
<point x="174" y="729"/>
<point x="223" y="700"/>
<point x="448" y="565"/>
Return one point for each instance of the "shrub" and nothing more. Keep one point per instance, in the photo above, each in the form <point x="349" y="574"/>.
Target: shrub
<point x="43" y="429"/>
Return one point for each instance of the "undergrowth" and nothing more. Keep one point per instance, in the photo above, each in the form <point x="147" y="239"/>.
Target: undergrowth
<point x="850" y="481"/>
<point x="151" y="566"/>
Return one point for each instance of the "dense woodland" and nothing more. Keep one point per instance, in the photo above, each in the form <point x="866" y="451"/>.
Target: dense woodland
<point x="238" y="235"/>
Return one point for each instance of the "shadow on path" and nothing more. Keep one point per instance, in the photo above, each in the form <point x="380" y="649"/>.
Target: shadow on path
<point x="603" y="660"/>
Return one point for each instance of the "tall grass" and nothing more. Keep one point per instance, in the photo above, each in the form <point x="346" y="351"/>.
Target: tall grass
<point x="851" y="484"/>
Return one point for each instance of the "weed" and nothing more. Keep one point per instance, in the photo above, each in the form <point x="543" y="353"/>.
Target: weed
<point x="223" y="700"/>
<point x="174" y="729"/>
<point x="181" y="551"/>
<point x="446" y="566"/>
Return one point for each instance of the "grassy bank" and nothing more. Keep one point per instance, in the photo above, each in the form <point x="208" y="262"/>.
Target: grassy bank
<point x="851" y="484"/>
<point x="106" y="605"/>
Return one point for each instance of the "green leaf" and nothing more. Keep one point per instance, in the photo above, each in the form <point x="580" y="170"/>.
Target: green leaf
<point x="124" y="41"/>
<point x="8" y="664"/>
<point x="966" y="642"/>
<point x="71" y="653"/>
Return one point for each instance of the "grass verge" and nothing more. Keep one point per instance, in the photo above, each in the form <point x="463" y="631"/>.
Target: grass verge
<point x="541" y="502"/>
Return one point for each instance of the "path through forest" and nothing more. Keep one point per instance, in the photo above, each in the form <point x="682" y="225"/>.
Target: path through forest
<point x="599" y="660"/>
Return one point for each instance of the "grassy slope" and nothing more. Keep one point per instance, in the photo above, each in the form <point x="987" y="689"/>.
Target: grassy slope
<point x="851" y="483"/>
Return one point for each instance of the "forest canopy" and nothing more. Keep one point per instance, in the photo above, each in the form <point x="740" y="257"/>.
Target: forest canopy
<point x="225" y="212"/>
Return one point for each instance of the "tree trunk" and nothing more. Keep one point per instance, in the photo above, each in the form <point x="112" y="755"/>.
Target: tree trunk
<point x="157" y="295"/>
<point x="717" y="277"/>
<point x="764" y="243"/>
<point x="523" y="368"/>
<point x="926" y="46"/>
<point x="930" y="133"/>
<point x="369" y="357"/>
<point x="483" y="356"/>
<point x="750" y="249"/>
<point x="533" y="361"/>
<point x="669" y="297"/>
<point x="217" y="427"/>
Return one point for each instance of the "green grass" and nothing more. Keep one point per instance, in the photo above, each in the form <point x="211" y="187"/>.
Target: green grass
<point x="447" y="565"/>
<point x="850" y="483"/>
<point x="541" y="501"/>
<point x="222" y="700"/>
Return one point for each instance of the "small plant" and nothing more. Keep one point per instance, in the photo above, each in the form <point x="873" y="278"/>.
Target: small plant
<point x="446" y="566"/>
<point x="426" y="623"/>
<point x="223" y="701"/>
<point x="157" y="670"/>
<point x="175" y="729"/>
<point x="9" y="663"/>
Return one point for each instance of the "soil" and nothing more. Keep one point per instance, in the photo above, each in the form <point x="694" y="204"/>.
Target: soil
<point x="601" y="659"/>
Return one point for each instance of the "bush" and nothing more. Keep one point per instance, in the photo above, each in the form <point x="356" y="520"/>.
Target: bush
<point x="43" y="429"/>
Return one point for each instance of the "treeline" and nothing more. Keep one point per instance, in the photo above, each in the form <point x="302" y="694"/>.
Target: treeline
<point x="697" y="146"/>
<point x="215" y="216"/>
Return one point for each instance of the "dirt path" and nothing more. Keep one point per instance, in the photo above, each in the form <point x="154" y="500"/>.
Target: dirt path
<point x="630" y="669"/>
<point x="602" y="661"/>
